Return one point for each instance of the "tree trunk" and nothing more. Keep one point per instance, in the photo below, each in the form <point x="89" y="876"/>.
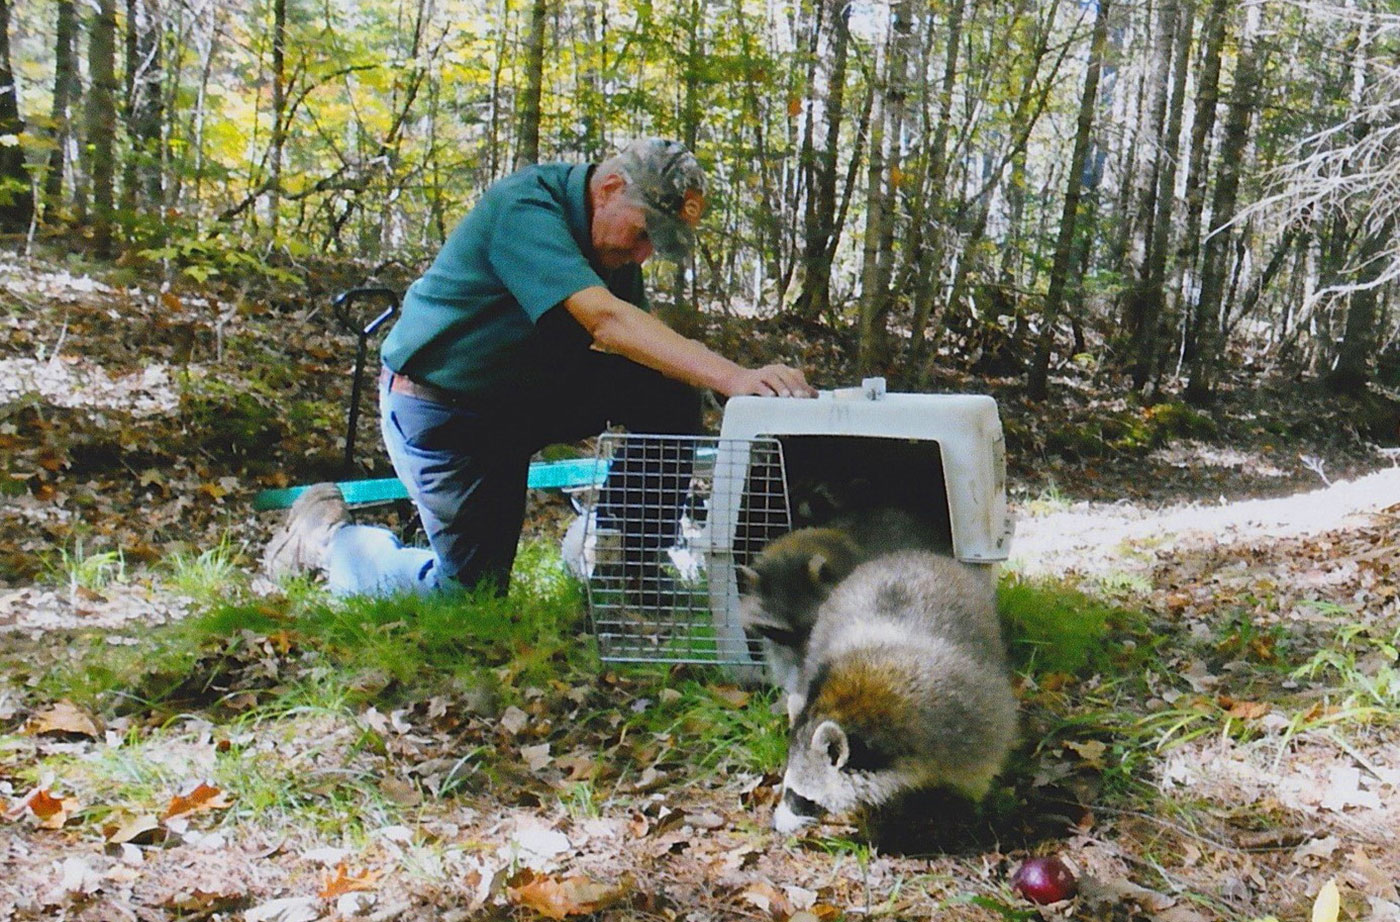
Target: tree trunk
<point x="769" y="219"/>
<point x="528" y="145"/>
<point x="882" y="201"/>
<point x="822" y="231"/>
<point x="16" y="188"/>
<point x="1147" y="300"/>
<point x="1037" y="385"/>
<point x="1198" y="168"/>
<point x="102" y="122"/>
<point x="590" y="90"/>
<point x="870" y="345"/>
<point x="65" y="94"/>
<point x="279" y="113"/>
<point x="498" y="62"/>
<point x="142" y="187"/>
<point x="1208" y="323"/>
<point x="1357" y="349"/>
<point x="199" y="117"/>
<point x="925" y="242"/>
<point x="1141" y="215"/>
<point x="684" y="315"/>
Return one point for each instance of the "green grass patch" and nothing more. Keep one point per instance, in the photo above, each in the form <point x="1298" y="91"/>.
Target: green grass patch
<point x="388" y="649"/>
<point x="1053" y="628"/>
<point x="213" y="575"/>
<point x="698" y="717"/>
<point x="83" y="569"/>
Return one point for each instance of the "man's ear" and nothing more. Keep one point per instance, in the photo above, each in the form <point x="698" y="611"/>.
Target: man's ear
<point x="610" y="184"/>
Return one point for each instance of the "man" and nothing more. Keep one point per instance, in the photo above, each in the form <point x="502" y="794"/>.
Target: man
<point x="530" y="328"/>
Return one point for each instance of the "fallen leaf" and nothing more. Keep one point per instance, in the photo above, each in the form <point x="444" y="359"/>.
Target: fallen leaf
<point x="199" y="900"/>
<point x="536" y="757"/>
<point x="292" y="909"/>
<point x="800" y="897"/>
<point x="140" y="830"/>
<point x="1328" y="903"/>
<point x="571" y="896"/>
<point x="203" y="796"/>
<point x="513" y="720"/>
<point x="51" y="812"/>
<point x="400" y="791"/>
<point x="706" y="820"/>
<point x="1375" y="880"/>
<point x="1090" y="751"/>
<point x="734" y="697"/>
<point x="535" y="846"/>
<point x="579" y="766"/>
<point x="767" y="898"/>
<point x="79" y="877"/>
<point x="1249" y="710"/>
<point x="327" y="856"/>
<point x="650" y="779"/>
<point x="342" y="882"/>
<point x="1317" y="848"/>
<point x="63" y="718"/>
<point x="213" y="490"/>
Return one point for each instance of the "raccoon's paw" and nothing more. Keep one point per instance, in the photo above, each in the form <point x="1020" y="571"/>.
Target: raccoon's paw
<point x="795" y="812"/>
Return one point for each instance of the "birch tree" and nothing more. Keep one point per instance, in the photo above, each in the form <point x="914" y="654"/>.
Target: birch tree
<point x="1037" y="385"/>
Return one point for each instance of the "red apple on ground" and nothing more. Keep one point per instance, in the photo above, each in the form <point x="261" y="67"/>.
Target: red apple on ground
<point x="1044" y="880"/>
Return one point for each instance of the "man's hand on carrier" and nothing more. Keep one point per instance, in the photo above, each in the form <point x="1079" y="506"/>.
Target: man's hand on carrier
<point x="769" y="381"/>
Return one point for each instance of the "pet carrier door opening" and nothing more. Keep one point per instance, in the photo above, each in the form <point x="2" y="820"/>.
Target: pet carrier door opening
<point x="659" y="542"/>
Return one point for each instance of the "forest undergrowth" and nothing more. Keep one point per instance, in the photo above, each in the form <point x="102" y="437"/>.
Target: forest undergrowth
<point x="1209" y="712"/>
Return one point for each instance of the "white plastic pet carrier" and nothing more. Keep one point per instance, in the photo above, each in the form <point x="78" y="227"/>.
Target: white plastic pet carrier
<point x="662" y="585"/>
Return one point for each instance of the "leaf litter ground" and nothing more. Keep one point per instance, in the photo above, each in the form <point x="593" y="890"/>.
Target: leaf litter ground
<point x="1231" y="750"/>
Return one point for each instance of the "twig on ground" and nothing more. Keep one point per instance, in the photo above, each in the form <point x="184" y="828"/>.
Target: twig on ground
<point x="1316" y="465"/>
<point x="58" y="346"/>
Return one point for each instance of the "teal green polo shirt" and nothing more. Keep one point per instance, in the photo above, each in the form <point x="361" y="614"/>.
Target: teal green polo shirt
<point x="469" y="323"/>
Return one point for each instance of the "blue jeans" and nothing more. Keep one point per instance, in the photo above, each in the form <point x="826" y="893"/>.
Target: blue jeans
<point x="466" y="466"/>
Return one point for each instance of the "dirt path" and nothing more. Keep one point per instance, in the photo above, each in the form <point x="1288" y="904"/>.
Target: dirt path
<point x="1094" y="538"/>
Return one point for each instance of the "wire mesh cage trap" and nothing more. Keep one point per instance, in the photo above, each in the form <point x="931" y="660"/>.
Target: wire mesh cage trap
<point x="658" y="543"/>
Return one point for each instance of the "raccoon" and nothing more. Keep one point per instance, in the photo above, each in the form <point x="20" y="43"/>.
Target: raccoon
<point x="780" y="594"/>
<point x="904" y="686"/>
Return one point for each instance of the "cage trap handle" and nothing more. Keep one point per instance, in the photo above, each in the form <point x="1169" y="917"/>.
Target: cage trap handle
<point x="341" y="305"/>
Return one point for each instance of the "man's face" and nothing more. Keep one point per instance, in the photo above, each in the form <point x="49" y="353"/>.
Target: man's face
<point x="619" y="228"/>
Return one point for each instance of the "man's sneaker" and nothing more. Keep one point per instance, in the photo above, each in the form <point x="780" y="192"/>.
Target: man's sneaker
<point x="301" y="543"/>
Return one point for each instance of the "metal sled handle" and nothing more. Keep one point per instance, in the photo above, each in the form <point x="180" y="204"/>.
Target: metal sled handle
<point x="341" y="306"/>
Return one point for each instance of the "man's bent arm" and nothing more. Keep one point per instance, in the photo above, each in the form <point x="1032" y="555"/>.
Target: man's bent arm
<point x="626" y="330"/>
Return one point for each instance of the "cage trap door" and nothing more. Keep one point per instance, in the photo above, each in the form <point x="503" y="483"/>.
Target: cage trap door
<point x="661" y="538"/>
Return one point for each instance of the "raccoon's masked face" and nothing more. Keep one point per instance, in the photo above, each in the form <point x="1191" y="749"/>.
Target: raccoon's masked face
<point x="829" y="771"/>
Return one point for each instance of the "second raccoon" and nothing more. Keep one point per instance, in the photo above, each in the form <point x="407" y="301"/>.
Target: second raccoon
<point x="794" y="573"/>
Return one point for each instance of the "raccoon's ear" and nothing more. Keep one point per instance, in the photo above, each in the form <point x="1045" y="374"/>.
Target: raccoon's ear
<point x="829" y="738"/>
<point x="748" y="579"/>
<point x="819" y="570"/>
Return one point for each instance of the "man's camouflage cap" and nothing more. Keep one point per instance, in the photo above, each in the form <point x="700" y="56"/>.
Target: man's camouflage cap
<point x="665" y="179"/>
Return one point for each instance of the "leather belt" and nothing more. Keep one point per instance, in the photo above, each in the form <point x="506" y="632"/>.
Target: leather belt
<point x="402" y="384"/>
